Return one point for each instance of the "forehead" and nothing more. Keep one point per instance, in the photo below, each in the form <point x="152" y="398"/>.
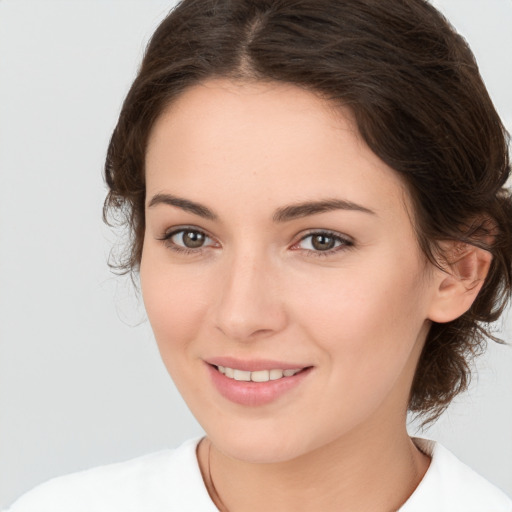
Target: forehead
<point x="270" y="142"/>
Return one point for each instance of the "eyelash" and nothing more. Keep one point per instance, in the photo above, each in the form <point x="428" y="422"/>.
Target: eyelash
<point x="166" y="238"/>
<point x="345" y="243"/>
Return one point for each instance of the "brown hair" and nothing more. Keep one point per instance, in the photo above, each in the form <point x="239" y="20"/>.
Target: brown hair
<point x="420" y="104"/>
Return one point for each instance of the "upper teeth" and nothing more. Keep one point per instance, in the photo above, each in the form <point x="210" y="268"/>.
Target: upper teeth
<point x="258" y="376"/>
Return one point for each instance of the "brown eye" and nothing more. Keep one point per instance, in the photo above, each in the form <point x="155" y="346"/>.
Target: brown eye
<point x="187" y="239"/>
<point x="193" y="239"/>
<point x="323" y="242"/>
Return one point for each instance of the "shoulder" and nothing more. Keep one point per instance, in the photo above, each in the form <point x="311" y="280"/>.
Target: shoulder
<point x="451" y="486"/>
<point x="162" y="481"/>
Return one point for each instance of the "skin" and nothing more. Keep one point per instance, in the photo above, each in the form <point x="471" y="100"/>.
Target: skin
<point x="259" y="289"/>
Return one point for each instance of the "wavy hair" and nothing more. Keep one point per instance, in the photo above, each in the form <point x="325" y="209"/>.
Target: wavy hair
<point x="420" y="104"/>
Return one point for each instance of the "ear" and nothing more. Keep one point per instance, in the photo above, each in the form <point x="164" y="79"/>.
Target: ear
<point x="456" y="288"/>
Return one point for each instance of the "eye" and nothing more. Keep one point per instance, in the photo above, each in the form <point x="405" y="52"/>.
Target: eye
<point x="187" y="240"/>
<point x="323" y="242"/>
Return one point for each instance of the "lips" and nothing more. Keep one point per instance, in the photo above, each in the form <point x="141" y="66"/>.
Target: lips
<point x="254" y="364"/>
<point x="258" y="375"/>
<point x="255" y="383"/>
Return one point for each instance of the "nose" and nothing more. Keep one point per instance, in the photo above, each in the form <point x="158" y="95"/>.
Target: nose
<point x="250" y="304"/>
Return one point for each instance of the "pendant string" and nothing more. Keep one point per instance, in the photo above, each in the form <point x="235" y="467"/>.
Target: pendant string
<point x="218" y="500"/>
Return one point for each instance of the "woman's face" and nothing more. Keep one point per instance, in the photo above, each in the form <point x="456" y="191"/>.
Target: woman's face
<point x="276" y="240"/>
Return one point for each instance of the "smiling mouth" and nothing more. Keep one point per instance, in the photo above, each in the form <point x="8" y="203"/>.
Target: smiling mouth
<point x="257" y="376"/>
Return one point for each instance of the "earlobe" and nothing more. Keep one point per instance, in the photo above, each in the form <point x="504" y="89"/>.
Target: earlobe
<point x="458" y="286"/>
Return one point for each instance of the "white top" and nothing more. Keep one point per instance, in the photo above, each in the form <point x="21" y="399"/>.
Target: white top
<point x="170" y="481"/>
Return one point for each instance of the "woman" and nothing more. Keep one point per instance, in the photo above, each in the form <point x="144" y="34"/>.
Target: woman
<point x="315" y="191"/>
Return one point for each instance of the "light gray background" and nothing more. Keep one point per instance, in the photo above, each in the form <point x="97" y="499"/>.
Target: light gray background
<point x="81" y="382"/>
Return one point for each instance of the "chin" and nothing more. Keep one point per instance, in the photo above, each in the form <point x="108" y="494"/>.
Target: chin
<point x="259" y="445"/>
<point x="256" y="452"/>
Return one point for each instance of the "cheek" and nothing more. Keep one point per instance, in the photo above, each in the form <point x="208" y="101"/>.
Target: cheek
<point x="366" y="322"/>
<point x="366" y="327"/>
<point x="175" y="303"/>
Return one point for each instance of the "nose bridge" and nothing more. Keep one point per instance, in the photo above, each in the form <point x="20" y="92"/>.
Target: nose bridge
<point x="248" y="304"/>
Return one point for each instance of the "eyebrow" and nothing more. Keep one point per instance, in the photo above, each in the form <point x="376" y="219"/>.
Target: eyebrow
<point x="184" y="204"/>
<point x="283" y="214"/>
<point x="307" y="208"/>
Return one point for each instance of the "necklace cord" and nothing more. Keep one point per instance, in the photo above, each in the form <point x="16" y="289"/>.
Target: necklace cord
<point x="215" y="494"/>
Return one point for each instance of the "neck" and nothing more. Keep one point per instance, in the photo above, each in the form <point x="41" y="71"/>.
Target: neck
<point x="363" y="472"/>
